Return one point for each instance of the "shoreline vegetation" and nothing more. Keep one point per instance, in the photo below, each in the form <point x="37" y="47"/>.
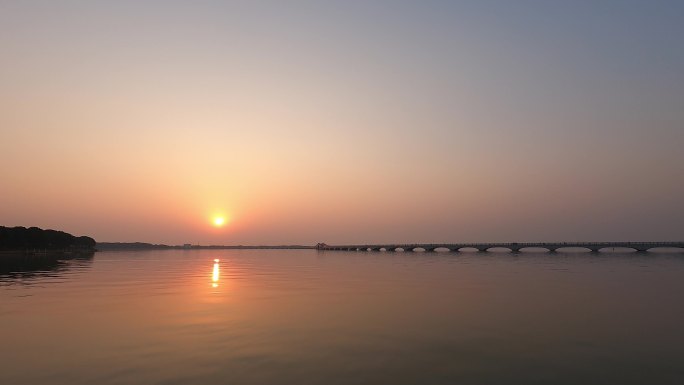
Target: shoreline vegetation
<point x="33" y="241"/>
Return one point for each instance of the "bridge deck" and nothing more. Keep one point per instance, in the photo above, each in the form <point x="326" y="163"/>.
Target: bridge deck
<point x="513" y="246"/>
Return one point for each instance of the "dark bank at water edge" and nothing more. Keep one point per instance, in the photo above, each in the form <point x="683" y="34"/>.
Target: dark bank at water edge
<point x="32" y="241"/>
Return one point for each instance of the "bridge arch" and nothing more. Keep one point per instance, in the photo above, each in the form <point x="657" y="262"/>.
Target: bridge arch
<point x="568" y="249"/>
<point x="623" y="249"/>
<point x="468" y="249"/>
<point x="534" y="249"/>
<point x="675" y="249"/>
<point x="498" y="249"/>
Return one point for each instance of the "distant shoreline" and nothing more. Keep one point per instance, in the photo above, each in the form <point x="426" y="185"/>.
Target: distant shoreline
<point x="124" y="246"/>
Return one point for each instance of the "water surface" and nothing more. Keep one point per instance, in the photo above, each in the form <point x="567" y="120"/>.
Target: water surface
<point x="308" y="317"/>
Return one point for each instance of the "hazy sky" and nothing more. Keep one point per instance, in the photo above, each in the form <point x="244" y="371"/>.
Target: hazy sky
<point x="347" y="121"/>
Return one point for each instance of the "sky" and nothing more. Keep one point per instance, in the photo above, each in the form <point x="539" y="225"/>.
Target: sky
<point x="343" y="121"/>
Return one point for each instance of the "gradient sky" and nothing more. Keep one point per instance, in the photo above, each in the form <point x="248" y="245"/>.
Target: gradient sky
<point x="347" y="121"/>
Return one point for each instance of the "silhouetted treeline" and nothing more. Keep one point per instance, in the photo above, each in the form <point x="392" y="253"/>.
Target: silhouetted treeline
<point x="32" y="238"/>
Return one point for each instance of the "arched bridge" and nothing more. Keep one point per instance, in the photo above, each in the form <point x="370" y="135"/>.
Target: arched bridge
<point x="512" y="246"/>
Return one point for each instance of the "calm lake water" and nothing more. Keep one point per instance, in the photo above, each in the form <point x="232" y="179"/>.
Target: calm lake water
<point x="308" y="317"/>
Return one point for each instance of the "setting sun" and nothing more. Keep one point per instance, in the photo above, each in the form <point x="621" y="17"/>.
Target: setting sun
<point x="219" y="221"/>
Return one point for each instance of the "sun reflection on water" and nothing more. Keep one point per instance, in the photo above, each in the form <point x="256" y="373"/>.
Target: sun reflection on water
<point x="215" y="274"/>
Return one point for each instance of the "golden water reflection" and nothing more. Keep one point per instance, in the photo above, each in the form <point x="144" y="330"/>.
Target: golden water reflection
<point x="215" y="274"/>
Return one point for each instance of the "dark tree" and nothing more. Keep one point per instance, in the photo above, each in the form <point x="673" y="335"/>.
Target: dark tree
<point x="21" y="238"/>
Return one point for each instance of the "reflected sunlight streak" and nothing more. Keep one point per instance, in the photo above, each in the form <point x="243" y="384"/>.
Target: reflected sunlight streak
<point x="215" y="274"/>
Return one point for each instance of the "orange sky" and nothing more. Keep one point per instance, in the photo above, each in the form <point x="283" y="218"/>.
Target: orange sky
<point x="346" y="123"/>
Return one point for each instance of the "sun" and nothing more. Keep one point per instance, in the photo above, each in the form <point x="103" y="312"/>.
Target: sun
<point x="219" y="221"/>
